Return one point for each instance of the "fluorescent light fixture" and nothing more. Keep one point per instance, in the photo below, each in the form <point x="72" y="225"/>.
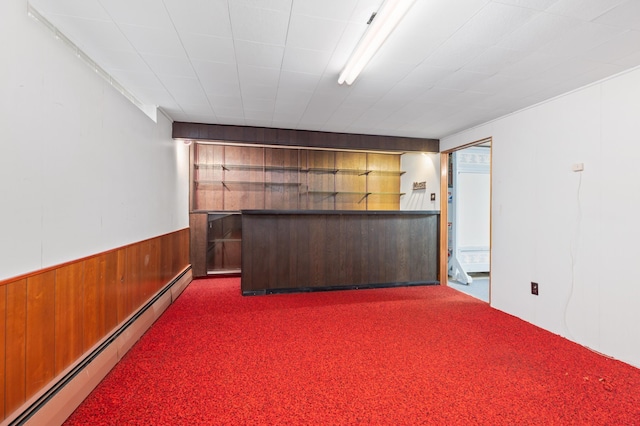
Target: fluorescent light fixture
<point x="384" y="22"/>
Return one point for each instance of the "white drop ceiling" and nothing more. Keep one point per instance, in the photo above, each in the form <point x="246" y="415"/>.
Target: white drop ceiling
<point x="449" y="65"/>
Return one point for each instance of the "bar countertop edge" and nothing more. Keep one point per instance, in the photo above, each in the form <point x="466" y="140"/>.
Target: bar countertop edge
<point x="341" y="212"/>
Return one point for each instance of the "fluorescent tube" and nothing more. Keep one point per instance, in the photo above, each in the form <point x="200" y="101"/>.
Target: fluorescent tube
<point x="384" y="22"/>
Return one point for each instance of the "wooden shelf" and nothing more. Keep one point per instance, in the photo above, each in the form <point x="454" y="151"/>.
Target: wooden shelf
<point x="354" y="193"/>
<point x="242" y="182"/>
<point x="229" y="167"/>
<point x="225" y="177"/>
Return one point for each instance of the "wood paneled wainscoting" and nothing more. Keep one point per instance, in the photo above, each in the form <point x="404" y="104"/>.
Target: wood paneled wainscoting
<point x="81" y="317"/>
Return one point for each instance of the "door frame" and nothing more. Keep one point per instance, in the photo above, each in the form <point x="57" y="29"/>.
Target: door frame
<point x="444" y="209"/>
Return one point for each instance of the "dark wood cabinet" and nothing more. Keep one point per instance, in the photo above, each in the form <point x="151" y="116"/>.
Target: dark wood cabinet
<point x="304" y="250"/>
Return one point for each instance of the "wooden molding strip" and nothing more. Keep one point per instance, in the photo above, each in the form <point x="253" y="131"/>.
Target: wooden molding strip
<point x="301" y="138"/>
<point x="444" y="222"/>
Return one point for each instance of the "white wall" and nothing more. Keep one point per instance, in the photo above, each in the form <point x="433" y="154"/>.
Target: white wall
<point x="82" y="170"/>
<point x="576" y="234"/>
<point x="420" y="167"/>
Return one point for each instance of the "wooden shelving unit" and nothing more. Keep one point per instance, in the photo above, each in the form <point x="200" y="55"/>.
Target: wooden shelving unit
<point x="232" y="178"/>
<point x="226" y="179"/>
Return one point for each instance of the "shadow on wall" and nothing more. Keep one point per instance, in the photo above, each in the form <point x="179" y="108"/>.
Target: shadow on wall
<point x="417" y="200"/>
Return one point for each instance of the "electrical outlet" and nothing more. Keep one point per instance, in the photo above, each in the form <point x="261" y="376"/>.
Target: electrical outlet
<point x="534" y="288"/>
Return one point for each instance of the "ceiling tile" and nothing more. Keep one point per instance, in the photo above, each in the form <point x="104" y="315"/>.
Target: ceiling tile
<point x="305" y="61"/>
<point x="229" y="111"/>
<point x="258" y="54"/>
<point x="392" y="71"/>
<point x="216" y="71"/>
<point x="358" y="101"/>
<point x="493" y="22"/>
<point x="155" y="41"/>
<point x="201" y="47"/>
<point x="465" y="99"/>
<point x="497" y="83"/>
<point x="454" y="54"/>
<point x="231" y="120"/>
<point x="258" y="91"/>
<point x="298" y="80"/>
<point x="542" y="29"/>
<point x="217" y="78"/>
<point x="630" y="61"/>
<point x="532" y="65"/>
<point x="327" y="9"/>
<point x="257" y="24"/>
<point x="146" y="13"/>
<point x="182" y="87"/>
<point x="439" y="17"/>
<point x="521" y="88"/>
<point x="202" y="118"/>
<point x="190" y="99"/>
<point x="226" y="101"/>
<point x="86" y="9"/>
<point x="532" y="4"/>
<point x="343" y="116"/>
<point x="205" y="17"/>
<point x="614" y="49"/>
<point x="306" y="32"/>
<point x="461" y="80"/>
<point x="258" y="75"/>
<point x="567" y="70"/>
<point x="277" y="5"/>
<point x="257" y="104"/>
<point x="200" y="109"/>
<point x="494" y="59"/>
<point x="581" y="39"/>
<point x="585" y="10"/>
<point x="170" y="65"/>
<point x="624" y="15"/>
<point x="426" y="75"/>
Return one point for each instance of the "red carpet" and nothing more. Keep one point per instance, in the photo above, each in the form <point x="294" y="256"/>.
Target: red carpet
<point x="401" y="356"/>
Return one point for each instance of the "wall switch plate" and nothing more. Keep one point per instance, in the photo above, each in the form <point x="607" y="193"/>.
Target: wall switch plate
<point x="433" y="196"/>
<point x="534" y="288"/>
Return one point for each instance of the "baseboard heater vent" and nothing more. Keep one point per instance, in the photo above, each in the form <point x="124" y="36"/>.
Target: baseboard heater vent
<point x="62" y="382"/>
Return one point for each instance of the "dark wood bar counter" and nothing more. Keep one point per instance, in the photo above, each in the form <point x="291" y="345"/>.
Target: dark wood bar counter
<point x="303" y="250"/>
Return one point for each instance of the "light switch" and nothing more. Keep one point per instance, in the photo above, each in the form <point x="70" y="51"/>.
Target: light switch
<point x="577" y="167"/>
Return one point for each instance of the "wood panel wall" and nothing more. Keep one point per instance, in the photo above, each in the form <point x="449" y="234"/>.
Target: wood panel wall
<point x="50" y="318"/>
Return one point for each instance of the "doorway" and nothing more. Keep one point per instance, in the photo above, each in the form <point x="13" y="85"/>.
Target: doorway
<point x="467" y="209"/>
